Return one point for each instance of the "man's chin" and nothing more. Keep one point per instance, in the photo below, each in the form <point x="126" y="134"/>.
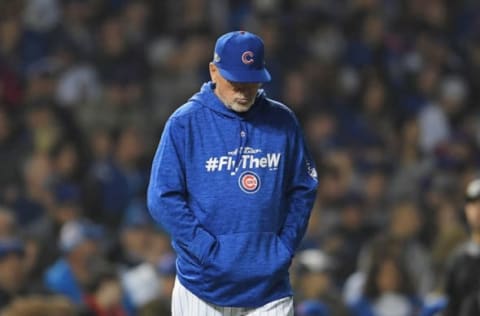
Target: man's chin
<point x="241" y="107"/>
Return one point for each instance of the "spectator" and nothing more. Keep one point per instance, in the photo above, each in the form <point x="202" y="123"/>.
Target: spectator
<point x="462" y="280"/>
<point x="401" y="240"/>
<point x="345" y="241"/>
<point x="450" y="233"/>
<point x="67" y="171"/>
<point x="104" y="292"/>
<point x="71" y="273"/>
<point x="119" y="179"/>
<point x="44" y="126"/>
<point x="142" y="288"/>
<point x="166" y="269"/>
<point x="8" y="224"/>
<point x="41" y="306"/>
<point x="34" y="199"/>
<point x="388" y="289"/>
<point x="446" y="115"/>
<point x="13" y="277"/>
<point x="45" y="231"/>
<point x="135" y="238"/>
<point x="315" y="282"/>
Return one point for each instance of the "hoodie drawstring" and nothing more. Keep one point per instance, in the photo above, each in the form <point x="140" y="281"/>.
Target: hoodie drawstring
<point x="241" y="148"/>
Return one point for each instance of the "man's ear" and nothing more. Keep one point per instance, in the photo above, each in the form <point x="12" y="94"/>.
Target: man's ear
<point x="213" y="71"/>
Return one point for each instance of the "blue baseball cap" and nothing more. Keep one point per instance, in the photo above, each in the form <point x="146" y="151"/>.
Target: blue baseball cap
<point x="312" y="308"/>
<point x="239" y="57"/>
<point x="76" y="232"/>
<point x="11" y="245"/>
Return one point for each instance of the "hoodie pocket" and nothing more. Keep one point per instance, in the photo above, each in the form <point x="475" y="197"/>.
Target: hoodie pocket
<point x="249" y="258"/>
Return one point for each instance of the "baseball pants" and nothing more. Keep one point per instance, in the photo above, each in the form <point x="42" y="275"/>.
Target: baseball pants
<point x="185" y="303"/>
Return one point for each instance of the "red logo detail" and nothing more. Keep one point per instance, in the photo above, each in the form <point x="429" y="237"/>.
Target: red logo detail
<point x="249" y="182"/>
<point x="247" y="57"/>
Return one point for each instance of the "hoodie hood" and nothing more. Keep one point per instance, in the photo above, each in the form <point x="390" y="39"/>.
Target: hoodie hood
<point x="207" y="97"/>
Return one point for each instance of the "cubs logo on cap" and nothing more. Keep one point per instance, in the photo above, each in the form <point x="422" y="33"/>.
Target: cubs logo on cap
<point x="247" y="58"/>
<point x="249" y="182"/>
<point x="239" y="56"/>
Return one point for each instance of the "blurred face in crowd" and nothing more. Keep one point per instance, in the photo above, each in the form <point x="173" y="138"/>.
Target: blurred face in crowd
<point x="136" y="240"/>
<point x="315" y="284"/>
<point x="41" y="120"/>
<point x="11" y="272"/>
<point x="405" y="221"/>
<point x="37" y="170"/>
<point x="352" y="217"/>
<point x="410" y="133"/>
<point x="374" y="97"/>
<point x="373" y="29"/>
<point x="319" y="127"/>
<point x="388" y="278"/>
<point x="158" y="245"/>
<point x="84" y="253"/>
<point x="66" y="162"/>
<point x="9" y="34"/>
<point x="109" y="293"/>
<point x="101" y="144"/>
<point x="112" y="37"/>
<point x="66" y="211"/>
<point x="472" y="211"/>
<point x="129" y="146"/>
<point x="7" y="223"/>
<point x="296" y="89"/>
<point x="77" y="11"/>
<point x="427" y="80"/>
<point x="236" y="96"/>
<point x="375" y="186"/>
<point x="136" y="14"/>
<point x="331" y="187"/>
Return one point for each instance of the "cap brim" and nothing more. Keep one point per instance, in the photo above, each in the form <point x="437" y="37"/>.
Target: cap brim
<point x="470" y="199"/>
<point x="16" y="249"/>
<point x="254" y="76"/>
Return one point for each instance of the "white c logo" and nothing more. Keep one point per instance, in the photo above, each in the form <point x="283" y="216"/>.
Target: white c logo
<point x="247" y="57"/>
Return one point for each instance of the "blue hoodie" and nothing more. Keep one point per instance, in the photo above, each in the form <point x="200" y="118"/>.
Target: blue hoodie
<point x="235" y="192"/>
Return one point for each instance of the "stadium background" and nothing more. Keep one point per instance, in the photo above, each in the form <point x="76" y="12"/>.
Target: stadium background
<point x="386" y="91"/>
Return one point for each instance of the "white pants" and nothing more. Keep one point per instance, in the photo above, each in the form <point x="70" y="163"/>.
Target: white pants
<point x="185" y="303"/>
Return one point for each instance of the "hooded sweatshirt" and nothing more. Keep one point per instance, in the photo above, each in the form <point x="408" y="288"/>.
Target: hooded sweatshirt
<point x="235" y="191"/>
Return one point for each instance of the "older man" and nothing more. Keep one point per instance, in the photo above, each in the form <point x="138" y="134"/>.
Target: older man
<point x="234" y="184"/>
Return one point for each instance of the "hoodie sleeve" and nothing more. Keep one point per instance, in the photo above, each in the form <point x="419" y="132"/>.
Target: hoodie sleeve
<point x="166" y="196"/>
<point x="300" y="191"/>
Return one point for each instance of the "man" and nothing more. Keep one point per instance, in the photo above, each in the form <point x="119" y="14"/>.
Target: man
<point x="316" y="285"/>
<point x="233" y="184"/>
<point x="12" y="270"/>
<point x="463" y="269"/>
<point x="69" y="275"/>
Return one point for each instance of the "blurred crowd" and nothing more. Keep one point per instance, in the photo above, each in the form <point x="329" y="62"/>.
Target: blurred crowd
<point x="386" y="92"/>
